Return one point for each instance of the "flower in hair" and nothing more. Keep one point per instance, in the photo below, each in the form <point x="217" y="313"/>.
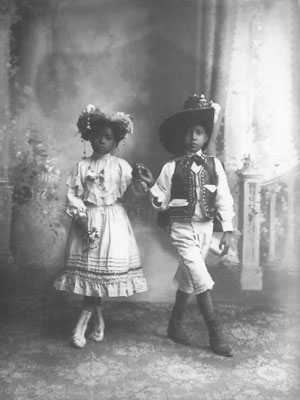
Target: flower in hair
<point x="90" y="108"/>
<point x="91" y="117"/>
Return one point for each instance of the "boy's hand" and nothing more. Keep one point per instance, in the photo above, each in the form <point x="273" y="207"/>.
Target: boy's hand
<point x="140" y="172"/>
<point x="225" y="243"/>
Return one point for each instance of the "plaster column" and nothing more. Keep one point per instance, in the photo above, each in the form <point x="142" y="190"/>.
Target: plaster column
<point x="5" y="187"/>
<point x="251" y="274"/>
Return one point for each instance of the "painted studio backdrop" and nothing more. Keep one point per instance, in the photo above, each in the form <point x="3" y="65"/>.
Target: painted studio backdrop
<point x="145" y="58"/>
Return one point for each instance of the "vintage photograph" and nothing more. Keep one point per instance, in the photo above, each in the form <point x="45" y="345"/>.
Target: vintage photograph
<point x="149" y="199"/>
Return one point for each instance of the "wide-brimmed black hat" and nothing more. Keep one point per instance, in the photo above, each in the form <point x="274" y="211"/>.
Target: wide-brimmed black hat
<point x="196" y="111"/>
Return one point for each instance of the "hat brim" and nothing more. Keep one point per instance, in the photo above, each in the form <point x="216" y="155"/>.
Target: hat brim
<point x="174" y="127"/>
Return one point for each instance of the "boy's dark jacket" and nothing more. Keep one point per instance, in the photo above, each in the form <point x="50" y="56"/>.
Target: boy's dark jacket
<point x="184" y="187"/>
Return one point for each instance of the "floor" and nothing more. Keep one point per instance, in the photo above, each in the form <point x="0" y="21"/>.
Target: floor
<point x="137" y="361"/>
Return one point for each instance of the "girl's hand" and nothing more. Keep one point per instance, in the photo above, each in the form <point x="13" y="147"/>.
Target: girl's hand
<point x="225" y="243"/>
<point x="142" y="173"/>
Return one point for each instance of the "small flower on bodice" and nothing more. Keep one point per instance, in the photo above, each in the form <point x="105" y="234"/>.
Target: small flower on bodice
<point x="95" y="176"/>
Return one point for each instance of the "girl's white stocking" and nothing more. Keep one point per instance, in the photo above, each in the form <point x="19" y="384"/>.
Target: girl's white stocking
<point x="98" y="332"/>
<point x="78" y="338"/>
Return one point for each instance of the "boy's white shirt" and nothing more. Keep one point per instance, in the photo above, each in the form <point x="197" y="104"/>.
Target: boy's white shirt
<point x="161" y="193"/>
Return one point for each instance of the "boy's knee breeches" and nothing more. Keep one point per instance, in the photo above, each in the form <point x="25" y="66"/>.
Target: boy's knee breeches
<point x="192" y="241"/>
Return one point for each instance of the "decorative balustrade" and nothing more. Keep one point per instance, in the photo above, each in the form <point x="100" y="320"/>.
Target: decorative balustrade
<point x="280" y="222"/>
<point x="270" y="225"/>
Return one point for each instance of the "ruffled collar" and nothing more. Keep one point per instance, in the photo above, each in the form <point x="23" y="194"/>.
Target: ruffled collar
<point x="103" y="157"/>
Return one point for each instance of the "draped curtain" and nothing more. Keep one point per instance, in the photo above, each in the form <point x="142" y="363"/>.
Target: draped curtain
<point x="215" y="33"/>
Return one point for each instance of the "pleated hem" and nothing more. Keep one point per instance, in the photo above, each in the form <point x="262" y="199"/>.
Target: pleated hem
<point x="85" y="287"/>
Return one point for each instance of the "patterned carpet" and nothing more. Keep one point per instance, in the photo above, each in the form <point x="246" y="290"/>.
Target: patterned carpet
<point x="137" y="361"/>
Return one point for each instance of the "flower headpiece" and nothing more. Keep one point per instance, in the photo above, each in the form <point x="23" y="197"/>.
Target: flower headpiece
<point x="91" y="118"/>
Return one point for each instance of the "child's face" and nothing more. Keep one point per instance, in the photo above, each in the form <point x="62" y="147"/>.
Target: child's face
<point x="194" y="138"/>
<point x="103" y="141"/>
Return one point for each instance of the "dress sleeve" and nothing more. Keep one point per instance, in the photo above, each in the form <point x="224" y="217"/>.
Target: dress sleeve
<point x="224" y="200"/>
<point x="160" y="192"/>
<point x="126" y="177"/>
<point x="75" y="191"/>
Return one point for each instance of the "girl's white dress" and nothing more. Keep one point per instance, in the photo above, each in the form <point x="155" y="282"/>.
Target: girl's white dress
<point x="113" y="268"/>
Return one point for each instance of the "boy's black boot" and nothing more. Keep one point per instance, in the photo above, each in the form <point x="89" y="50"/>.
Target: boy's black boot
<point x="217" y="341"/>
<point x="175" y="330"/>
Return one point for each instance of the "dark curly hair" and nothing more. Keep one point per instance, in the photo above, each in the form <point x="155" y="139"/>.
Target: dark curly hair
<point x="90" y="121"/>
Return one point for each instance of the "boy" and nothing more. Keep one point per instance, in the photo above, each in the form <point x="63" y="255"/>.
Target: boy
<point x="190" y="192"/>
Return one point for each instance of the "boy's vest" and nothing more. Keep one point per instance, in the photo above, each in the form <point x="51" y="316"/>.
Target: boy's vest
<point x="184" y="187"/>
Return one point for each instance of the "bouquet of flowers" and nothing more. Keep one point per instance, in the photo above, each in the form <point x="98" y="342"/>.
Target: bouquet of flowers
<point x="92" y="237"/>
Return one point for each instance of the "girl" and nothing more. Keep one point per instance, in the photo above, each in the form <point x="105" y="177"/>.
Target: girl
<point x="101" y="258"/>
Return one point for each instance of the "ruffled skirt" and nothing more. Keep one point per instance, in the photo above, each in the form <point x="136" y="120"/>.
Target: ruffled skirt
<point x="113" y="268"/>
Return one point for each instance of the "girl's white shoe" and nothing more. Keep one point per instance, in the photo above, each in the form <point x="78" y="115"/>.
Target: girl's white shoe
<point x="78" y="341"/>
<point x="97" y="335"/>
